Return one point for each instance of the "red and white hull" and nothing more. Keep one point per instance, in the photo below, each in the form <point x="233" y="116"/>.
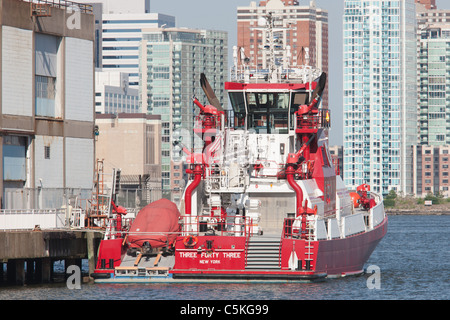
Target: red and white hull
<point x="336" y="257"/>
<point x="227" y="261"/>
<point x="341" y="257"/>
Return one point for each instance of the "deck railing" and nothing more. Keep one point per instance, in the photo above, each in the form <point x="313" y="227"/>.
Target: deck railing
<point x="313" y="121"/>
<point x="63" y="4"/>
<point x="240" y="226"/>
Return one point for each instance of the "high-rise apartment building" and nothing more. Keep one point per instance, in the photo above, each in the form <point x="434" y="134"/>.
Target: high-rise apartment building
<point x="172" y="61"/>
<point x="380" y="108"/>
<point x="433" y="75"/>
<point x="302" y="28"/>
<point x="119" y="26"/>
<point x="428" y="4"/>
<point x="430" y="164"/>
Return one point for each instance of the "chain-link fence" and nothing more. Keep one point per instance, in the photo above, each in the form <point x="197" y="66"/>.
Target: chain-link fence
<point x="55" y="198"/>
<point x="139" y="198"/>
<point x="45" y="198"/>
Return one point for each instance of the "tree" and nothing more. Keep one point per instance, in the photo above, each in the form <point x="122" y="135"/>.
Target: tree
<point x="391" y="195"/>
<point x="389" y="200"/>
<point x="433" y="198"/>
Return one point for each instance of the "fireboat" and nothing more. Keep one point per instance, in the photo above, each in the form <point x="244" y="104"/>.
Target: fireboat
<point x="264" y="200"/>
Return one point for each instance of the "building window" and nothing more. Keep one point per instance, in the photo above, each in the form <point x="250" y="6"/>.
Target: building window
<point x="165" y="174"/>
<point x="46" y="73"/>
<point x="14" y="158"/>
<point x="47" y="152"/>
<point x="45" y="96"/>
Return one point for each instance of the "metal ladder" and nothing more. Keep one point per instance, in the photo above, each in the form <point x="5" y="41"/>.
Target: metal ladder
<point x="308" y="246"/>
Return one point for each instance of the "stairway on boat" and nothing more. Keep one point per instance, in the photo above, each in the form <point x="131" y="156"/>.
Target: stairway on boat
<point x="263" y="253"/>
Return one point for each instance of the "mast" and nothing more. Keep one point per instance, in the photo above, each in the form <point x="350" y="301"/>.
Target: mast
<point x="276" y="59"/>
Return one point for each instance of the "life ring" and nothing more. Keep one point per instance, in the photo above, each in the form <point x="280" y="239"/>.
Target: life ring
<point x="190" y="241"/>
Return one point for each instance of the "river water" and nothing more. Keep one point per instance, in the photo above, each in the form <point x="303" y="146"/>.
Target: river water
<point x="412" y="263"/>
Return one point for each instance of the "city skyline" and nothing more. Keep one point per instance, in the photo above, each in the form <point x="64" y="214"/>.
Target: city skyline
<point x="222" y="15"/>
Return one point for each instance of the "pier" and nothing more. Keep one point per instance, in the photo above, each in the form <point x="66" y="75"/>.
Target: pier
<point x="29" y="255"/>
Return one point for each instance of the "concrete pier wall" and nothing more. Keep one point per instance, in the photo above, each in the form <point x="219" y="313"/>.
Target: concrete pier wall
<point x="29" y="255"/>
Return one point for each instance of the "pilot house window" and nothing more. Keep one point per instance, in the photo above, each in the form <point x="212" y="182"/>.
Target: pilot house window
<point x="268" y="112"/>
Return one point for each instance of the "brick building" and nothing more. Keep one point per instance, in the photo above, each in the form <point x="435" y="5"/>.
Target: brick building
<point x="303" y="28"/>
<point x="431" y="170"/>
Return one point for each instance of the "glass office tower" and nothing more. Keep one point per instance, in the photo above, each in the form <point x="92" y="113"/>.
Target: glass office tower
<point x="118" y="32"/>
<point x="380" y="111"/>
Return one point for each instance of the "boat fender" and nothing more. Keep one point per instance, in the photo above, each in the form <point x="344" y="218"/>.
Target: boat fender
<point x="190" y="241"/>
<point x="101" y="275"/>
<point x="315" y="210"/>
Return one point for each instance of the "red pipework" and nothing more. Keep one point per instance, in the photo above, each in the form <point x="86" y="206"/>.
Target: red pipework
<point x="208" y="109"/>
<point x="306" y="151"/>
<point x="294" y="158"/>
<point x="188" y="197"/>
<point x="119" y="211"/>
<point x="202" y="107"/>
<point x="299" y="199"/>
<point x="298" y="190"/>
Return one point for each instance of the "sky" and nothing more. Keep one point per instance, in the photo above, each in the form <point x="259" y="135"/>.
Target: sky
<point x="222" y="15"/>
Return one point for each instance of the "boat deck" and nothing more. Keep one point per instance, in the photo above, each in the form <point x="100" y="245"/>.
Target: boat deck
<point x="162" y="261"/>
